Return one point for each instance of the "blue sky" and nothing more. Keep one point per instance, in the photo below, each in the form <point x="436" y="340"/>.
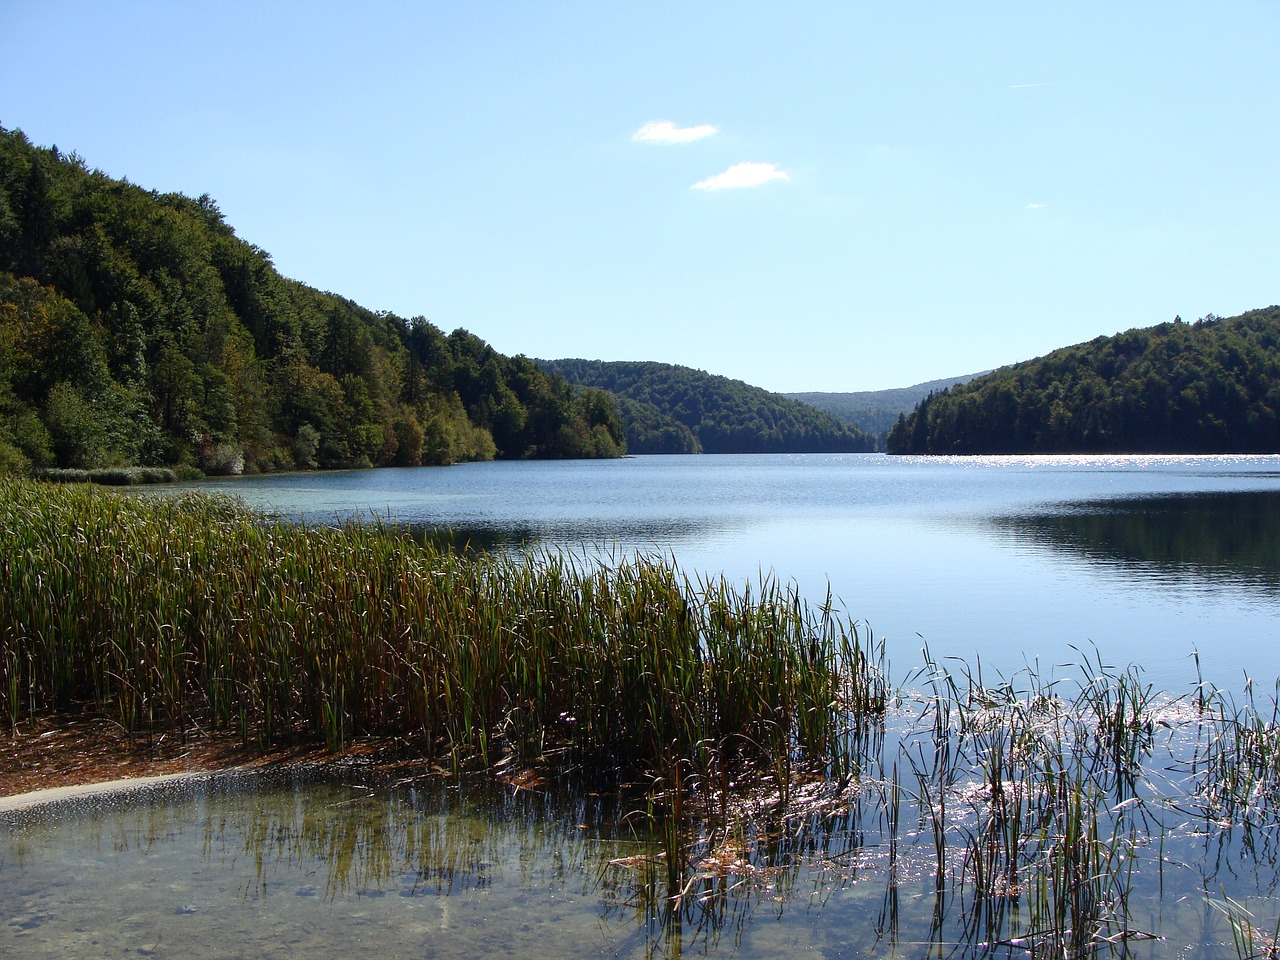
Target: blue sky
<point x="804" y="196"/>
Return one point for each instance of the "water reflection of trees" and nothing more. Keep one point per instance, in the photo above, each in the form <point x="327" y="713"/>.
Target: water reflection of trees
<point x="599" y="535"/>
<point x="1185" y="538"/>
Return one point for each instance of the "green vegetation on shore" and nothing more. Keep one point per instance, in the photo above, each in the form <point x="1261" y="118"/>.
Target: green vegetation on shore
<point x="167" y="613"/>
<point x="672" y="409"/>
<point x="137" y="329"/>
<point x="1212" y="386"/>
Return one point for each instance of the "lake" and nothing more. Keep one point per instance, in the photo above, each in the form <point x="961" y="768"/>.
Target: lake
<point x="983" y="832"/>
<point x="1007" y="560"/>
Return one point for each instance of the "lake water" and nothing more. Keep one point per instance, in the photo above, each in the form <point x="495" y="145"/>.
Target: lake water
<point x="1010" y="560"/>
<point x="1007" y="560"/>
<point x="264" y="865"/>
<point x="343" y="863"/>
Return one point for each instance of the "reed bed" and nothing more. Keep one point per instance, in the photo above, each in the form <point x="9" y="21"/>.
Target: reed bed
<point x="169" y="614"/>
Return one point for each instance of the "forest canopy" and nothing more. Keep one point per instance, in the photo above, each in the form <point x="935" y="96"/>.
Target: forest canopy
<point x="136" y="328"/>
<point x="1212" y="386"/>
<point x="667" y="408"/>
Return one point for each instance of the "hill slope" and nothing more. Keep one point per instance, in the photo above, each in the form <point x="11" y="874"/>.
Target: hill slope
<point x="876" y="411"/>
<point x="137" y="328"/>
<point x="723" y="415"/>
<point x="1208" y="387"/>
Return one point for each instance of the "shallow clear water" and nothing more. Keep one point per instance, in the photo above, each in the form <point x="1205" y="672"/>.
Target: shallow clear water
<point x="263" y="865"/>
<point x="276" y="865"/>
<point x="1010" y="560"/>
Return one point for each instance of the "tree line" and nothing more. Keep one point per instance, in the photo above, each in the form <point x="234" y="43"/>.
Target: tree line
<point x="673" y="409"/>
<point x="1212" y="386"/>
<point x="136" y="328"/>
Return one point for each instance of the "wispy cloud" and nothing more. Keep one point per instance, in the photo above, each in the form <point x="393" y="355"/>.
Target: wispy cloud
<point x="1036" y="206"/>
<point x="664" y="131"/>
<point x="742" y="175"/>
<point x="1023" y="86"/>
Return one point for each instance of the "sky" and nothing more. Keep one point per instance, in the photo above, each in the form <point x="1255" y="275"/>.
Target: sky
<point x="827" y="196"/>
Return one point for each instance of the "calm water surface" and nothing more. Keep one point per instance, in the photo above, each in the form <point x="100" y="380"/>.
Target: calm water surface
<point x="1007" y="560"/>
<point x="1010" y="560"/>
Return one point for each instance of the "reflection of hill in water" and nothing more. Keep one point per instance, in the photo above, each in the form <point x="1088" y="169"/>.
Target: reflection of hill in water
<point x="590" y="536"/>
<point x="475" y="539"/>
<point x="1190" y="537"/>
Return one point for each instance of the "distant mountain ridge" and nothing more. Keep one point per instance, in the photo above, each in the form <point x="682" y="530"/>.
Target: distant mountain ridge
<point x="876" y="411"/>
<point x="667" y="408"/>
<point x="1212" y="386"/>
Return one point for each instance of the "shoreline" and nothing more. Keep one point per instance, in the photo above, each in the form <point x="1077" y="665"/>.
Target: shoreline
<point x="37" y="798"/>
<point x="55" y="754"/>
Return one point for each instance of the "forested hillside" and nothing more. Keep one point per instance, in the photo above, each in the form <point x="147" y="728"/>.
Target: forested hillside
<point x="876" y="411"/>
<point x="137" y="328"/>
<point x="721" y="415"/>
<point x="1212" y="386"/>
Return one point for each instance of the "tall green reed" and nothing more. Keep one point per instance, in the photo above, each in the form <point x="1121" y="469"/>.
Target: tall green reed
<point x="164" y="613"/>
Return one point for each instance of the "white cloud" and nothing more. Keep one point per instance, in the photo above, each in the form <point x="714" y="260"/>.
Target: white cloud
<point x="664" y="131"/>
<point x="742" y="175"/>
<point x="1036" y="206"/>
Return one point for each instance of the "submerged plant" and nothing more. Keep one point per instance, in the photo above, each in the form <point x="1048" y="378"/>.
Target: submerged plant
<point x="1250" y="942"/>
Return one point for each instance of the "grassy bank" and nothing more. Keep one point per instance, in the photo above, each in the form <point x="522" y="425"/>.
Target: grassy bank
<point x="166" y="614"/>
